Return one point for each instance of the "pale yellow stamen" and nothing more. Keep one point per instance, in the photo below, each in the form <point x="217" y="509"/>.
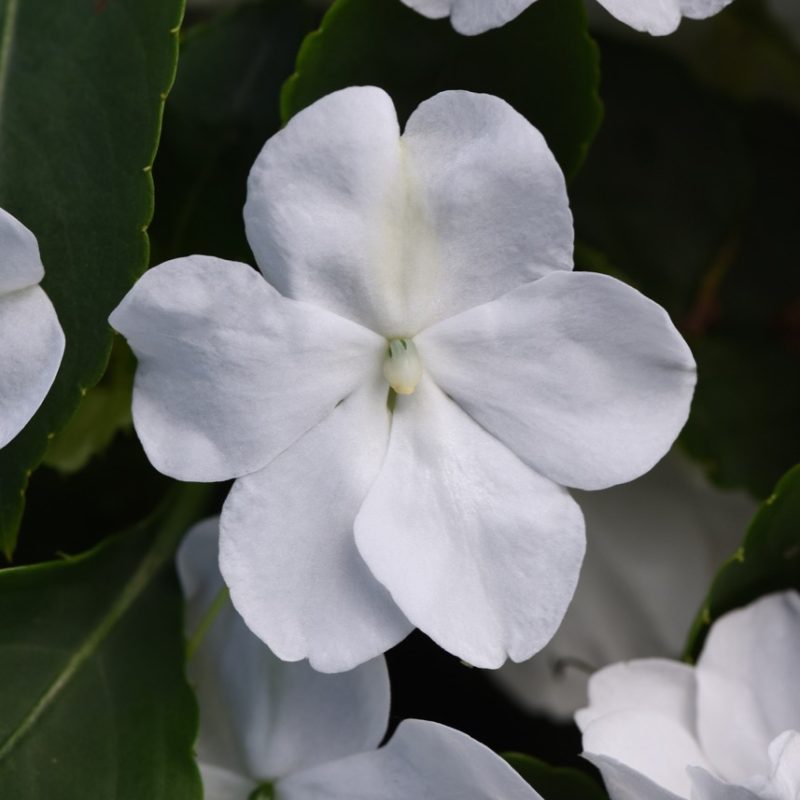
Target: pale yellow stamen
<point x="402" y="367"/>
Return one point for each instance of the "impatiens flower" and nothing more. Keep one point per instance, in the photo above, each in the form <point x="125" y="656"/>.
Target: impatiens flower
<point x="31" y="340"/>
<point x="727" y="729"/>
<point x="668" y="525"/>
<point x="658" y="17"/>
<point x="302" y="735"/>
<point x="405" y="396"/>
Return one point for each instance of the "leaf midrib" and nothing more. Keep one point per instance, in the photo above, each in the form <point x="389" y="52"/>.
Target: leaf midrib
<point x="189" y="502"/>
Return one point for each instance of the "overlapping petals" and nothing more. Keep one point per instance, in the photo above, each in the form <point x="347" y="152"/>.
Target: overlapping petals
<point x="353" y="515"/>
<point x="310" y="735"/>
<point x="311" y="594"/>
<point x="669" y="522"/>
<point x="728" y="729"/>
<point x="230" y="372"/>
<point x="541" y="369"/>
<point x="398" y="233"/>
<point x="494" y="548"/>
<point x="658" y="17"/>
<point x="31" y="339"/>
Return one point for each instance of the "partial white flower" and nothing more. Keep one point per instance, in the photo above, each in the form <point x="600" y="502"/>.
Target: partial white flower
<point x="787" y="13"/>
<point x="658" y="17"/>
<point x="307" y="735"/>
<point x="441" y="258"/>
<point x="727" y="729"/>
<point x="31" y="340"/>
<point x="640" y="536"/>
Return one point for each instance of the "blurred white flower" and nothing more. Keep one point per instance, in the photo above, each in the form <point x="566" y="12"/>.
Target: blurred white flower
<point x="787" y="13"/>
<point x="310" y="736"/>
<point x="658" y="17"/>
<point x="31" y="340"/>
<point x="668" y="526"/>
<point x="727" y="729"/>
<point x="438" y="264"/>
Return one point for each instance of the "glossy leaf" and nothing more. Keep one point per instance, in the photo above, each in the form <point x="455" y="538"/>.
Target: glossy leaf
<point x="556" y="783"/>
<point x="95" y="703"/>
<point x="82" y="86"/>
<point x="768" y="560"/>
<point x="543" y="63"/>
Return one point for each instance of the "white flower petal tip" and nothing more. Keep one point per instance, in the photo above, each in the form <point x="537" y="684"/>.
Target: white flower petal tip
<point x="657" y="17"/>
<point x="31" y="339"/>
<point x="727" y="729"/>
<point x="421" y="760"/>
<point x="669" y="522"/>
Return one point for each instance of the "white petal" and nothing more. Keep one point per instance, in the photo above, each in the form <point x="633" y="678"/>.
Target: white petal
<point x="494" y="196"/>
<point x="654" y="746"/>
<point x="397" y="235"/>
<point x="582" y="376"/>
<point x="653" y="686"/>
<point x="479" y="551"/>
<point x="747" y="682"/>
<point x="702" y="9"/>
<point x="783" y="782"/>
<point x="20" y="262"/>
<point x="231" y="373"/>
<point x="287" y="548"/>
<point x="471" y="17"/>
<point x="260" y="717"/>
<point x="706" y="786"/>
<point x="639" y="536"/>
<point x="422" y="761"/>
<point x="31" y="347"/>
<point x="219" y="784"/>
<point x="625" y="783"/>
<point x="661" y="17"/>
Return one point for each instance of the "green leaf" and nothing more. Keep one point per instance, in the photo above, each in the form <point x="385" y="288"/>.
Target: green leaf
<point x="82" y="86"/>
<point x="555" y="783"/>
<point x="95" y="702"/>
<point x="543" y="63"/>
<point x="223" y="107"/>
<point x="768" y="561"/>
<point x="103" y="412"/>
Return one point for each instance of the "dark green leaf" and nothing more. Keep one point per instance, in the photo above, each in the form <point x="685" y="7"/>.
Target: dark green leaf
<point x="104" y="411"/>
<point x="224" y="105"/>
<point x="693" y="198"/>
<point x="95" y="702"/>
<point x="543" y="63"/>
<point x="556" y="783"/>
<point x="82" y="84"/>
<point x="768" y="560"/>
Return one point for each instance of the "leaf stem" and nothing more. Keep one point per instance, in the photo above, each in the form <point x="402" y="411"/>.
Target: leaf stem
<point x="217" y="604"/>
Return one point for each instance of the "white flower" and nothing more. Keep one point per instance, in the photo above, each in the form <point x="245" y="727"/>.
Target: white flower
<point x="640" y="536"/>
<point x="728" y="729"/>
<point x="442" y="257"/>
<point x="312" y="736"/>
<point x="658" y="17"/>
<point x="31" y="340"/>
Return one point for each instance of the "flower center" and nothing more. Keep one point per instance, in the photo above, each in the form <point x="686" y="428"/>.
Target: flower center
<point x="402" y="367"/>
